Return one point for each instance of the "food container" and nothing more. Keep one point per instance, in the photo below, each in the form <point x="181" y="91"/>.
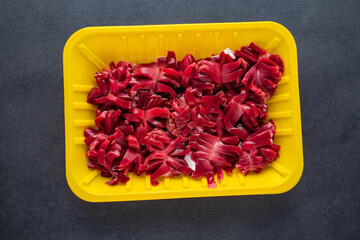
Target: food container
<point x="91" y="49"/>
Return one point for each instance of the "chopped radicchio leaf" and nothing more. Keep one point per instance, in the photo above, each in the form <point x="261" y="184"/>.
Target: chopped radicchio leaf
<point x="211" y="155"/>
<point x="258" y="149"/>
<point x="166" y="158"/>
<point x="192" y="117"/>
<point x="262" y="78"/>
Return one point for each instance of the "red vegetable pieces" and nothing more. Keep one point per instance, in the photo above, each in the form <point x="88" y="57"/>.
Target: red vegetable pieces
<point x="192" y="117"/>
<point x="258" y="149"/>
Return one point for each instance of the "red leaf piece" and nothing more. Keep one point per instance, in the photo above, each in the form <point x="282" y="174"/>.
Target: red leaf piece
<point x="133" y="143"/>
<point x="111" y="82"/>
<point x="258" y="149"/>
<point x="211" y="155"/>
<point x="146" y="77"/>
<point x="156" y="101"/>
<point x="189" y="74"/>
<point x="180" y="118"/>
<point x="214" y="100"/>
<point x="142" y="129"/>
<point x="262" y="137"/>
<point x="107" y="120"/>
<point x="248" y="163"/>
<point x="119" y="137"/>
<point x="240" y="131"/>
<point x="224" y="72"/>
<point x="132" y="161"/>
<point x="187" y="61"/>
<point x="118" y="176"/>
<point x="90" y="135"/>
<point x="157" y="112"/>
<point x="169" y="61"/>
<point x="114" y="79"/>
<point x="249" y="113"/>
<point x="104" y="152"/>
<point x="167" y="159"/>
<point x="157" y="117"/>
<point x="157" y="139"/>
<point x="125" y="126"/>
<point x="192" y="96"/>
<point x="108" y="100"/>
<point x="157" y="77"/>
<point x="251" y="54"/>
<point x="277" y="59"/>
<point x="116" y="101"/>
<point x="262" y="78"/>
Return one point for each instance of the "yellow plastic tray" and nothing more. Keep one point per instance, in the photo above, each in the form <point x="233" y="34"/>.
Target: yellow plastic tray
<point x="91" y="49"/>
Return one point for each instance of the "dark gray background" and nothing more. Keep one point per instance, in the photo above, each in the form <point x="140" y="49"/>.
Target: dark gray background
<point x="35" y="201"/>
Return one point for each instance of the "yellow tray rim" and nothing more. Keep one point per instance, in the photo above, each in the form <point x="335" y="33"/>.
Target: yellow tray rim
<point x="285" y="186"/>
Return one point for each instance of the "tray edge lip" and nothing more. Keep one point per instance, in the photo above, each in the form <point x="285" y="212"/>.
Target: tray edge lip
<point x="285" y="186"/>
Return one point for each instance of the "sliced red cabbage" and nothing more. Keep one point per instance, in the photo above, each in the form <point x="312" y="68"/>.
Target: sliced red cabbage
<point x="193" y="117"/>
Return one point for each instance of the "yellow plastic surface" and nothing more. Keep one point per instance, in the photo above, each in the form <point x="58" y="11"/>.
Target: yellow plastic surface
<point x="91" y="49"/>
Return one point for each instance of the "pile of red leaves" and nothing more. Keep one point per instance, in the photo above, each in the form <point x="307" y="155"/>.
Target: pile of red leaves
<point x="192" y="117"/>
